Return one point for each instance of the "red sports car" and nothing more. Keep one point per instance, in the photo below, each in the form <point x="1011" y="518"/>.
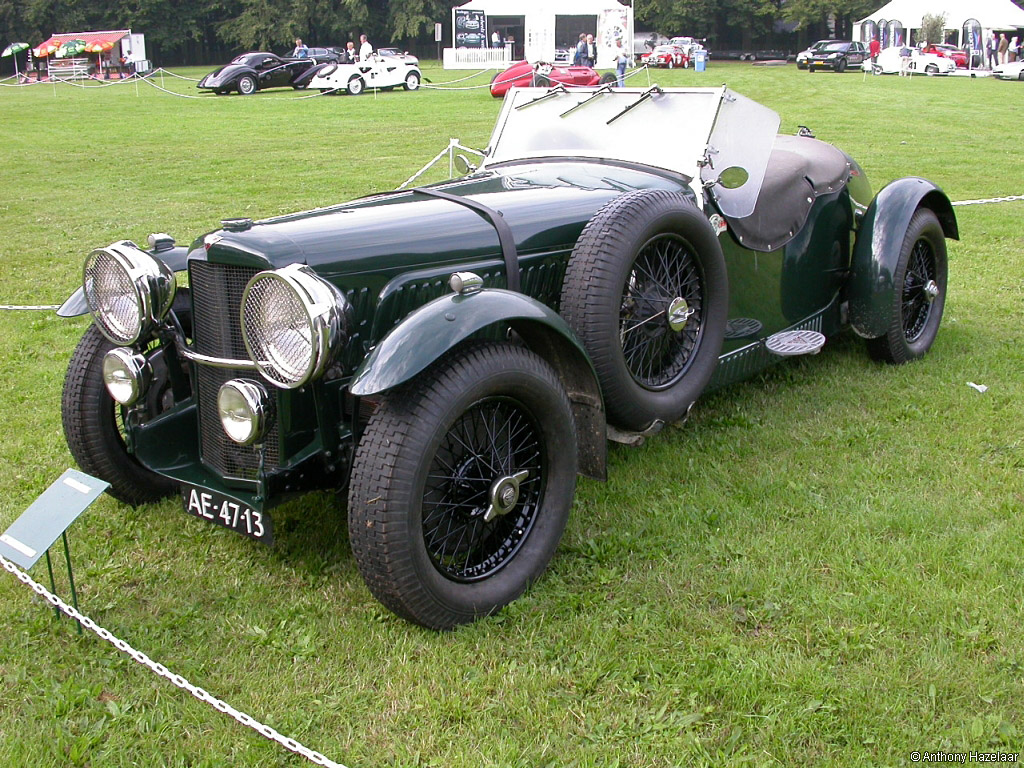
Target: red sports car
<point x="523" y="74"/>
<point x="668" y="56"/>
<point x="949" y="51"/>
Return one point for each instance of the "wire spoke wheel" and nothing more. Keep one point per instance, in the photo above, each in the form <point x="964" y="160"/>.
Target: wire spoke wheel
<point x="664" y="271"/>
<point x="490" y="445"/>
<point x="917" y="301"/>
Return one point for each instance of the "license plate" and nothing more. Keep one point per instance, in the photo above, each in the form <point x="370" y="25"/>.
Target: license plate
<point x="227" y="512"/>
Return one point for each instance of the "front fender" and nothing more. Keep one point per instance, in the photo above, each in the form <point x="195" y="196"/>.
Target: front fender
<point x="879" y="239"/>
<point x="434" y="329"/>
<point x="176" y="258"/>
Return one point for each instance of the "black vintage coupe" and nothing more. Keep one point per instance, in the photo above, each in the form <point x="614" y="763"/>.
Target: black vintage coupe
<point x="449" y="357"/>
<point x="259" y="70"/>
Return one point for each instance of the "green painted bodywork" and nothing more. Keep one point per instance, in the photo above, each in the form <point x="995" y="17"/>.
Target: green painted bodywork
<point x="871" y="289"/>
<point x="391" y="255"/>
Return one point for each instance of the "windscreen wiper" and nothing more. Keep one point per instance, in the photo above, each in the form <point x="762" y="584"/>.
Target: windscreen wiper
<point x="556" y="91"/>
<point x="606" y="88"/>
<point x="650" y="92"/>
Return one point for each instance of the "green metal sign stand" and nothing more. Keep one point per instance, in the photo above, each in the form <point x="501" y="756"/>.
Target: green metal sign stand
<point x="47" y="518"/>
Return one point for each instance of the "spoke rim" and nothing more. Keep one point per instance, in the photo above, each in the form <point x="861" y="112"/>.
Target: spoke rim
<point x="916" y="303"/>
<point x="494" y="438"/>
<point x="665" y="270"/>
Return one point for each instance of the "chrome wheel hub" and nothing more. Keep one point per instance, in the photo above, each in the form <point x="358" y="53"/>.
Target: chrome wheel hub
<point x="504" y="495"/>
<point x="931" y="291"/>
<point x="679" y="313"/>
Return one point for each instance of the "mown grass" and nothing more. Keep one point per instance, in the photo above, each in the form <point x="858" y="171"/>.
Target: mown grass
<point x="820" y="568"/>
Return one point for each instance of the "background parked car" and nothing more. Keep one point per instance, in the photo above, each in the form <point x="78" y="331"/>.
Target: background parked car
<point x="921" y="63"/>
<point x="837" y="55"/>
<point x="1010" y="71"/>
<point x="667" y="56"/>
<point x="801" y="58"/>
<point x="949" y="51"/>
<point x="258" y="70"/>
<point x="523" y="74"/>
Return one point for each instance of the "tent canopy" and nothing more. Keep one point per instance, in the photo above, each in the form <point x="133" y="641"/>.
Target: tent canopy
<point x="991" y="14"/>
<point x="526" y="7"/>
<point x="111" y="35"/>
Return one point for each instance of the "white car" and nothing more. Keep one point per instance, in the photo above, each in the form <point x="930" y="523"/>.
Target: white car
<point x="1011" y="71"/>
<point x="927" y="63"/>
<point x="376" y="72"/>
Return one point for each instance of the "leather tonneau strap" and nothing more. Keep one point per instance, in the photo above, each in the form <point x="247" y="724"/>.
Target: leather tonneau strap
<point x="505" y="238"/>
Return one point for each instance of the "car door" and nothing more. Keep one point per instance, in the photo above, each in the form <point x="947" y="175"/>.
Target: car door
<point x="857" y="53"/>
<point x="272" y="72"/>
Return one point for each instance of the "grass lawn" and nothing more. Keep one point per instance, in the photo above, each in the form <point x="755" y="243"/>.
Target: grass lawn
<point x="821" y="568"/>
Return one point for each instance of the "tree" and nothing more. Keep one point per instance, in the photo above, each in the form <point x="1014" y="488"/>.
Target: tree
<point x="933" y="27"/>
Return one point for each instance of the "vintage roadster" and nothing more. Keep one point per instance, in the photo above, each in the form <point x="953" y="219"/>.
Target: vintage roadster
<point x="451" y="356"/>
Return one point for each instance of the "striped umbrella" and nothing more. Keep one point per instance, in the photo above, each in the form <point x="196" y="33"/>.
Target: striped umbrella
<point x="99" y="47"/>
<point x="71" y="48"/>
<point x="44" y="50"/>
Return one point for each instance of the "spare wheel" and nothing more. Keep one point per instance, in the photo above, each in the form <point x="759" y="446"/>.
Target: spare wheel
<point x="646" y="290"/>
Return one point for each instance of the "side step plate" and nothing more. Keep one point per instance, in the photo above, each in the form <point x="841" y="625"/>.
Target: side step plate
<point x="792" y="343"/>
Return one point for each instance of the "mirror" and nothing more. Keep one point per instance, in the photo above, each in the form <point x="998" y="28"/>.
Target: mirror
<point x="734" y="177"/>
<point x="463" y="164"/>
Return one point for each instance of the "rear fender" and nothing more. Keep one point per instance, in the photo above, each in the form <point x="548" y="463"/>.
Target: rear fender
<point x="436" y="328"/>
<point x="176" y="258"/>
<point x="877" y="250"/>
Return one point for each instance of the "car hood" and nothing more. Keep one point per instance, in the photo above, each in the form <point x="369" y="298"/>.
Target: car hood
<point x="546" y="204"/>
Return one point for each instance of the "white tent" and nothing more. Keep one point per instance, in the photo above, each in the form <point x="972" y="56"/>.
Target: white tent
<point x="992" y="14"/>
<point x="1001" y="15"/>
<point x="538" y="18"/>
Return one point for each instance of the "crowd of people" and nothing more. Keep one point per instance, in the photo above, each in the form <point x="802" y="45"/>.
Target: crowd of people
<point x="1000" y="50"/>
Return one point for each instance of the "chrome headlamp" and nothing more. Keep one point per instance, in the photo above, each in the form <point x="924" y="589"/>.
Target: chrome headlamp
<point x="126" y="375"/>
<point x="128" y="291"/>
<point x="245" y="410"/>
<point x="292" y="324"/>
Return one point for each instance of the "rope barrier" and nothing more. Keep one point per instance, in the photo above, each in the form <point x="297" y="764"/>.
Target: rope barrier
<point x="250" y="722"/>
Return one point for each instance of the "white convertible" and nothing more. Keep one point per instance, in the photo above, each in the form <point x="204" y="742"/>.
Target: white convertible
<point x="928" y="63"/>
<point x="376" y="72"/>
<point x="1011" y="71"/>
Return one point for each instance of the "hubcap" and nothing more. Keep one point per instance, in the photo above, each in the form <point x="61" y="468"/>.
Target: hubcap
<point x="679" y="312"/>
<point x="504" y="495"/>
<point x="931" y="291"/>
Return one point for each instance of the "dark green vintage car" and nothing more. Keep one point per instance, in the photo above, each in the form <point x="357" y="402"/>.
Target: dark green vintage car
<point x="453" y="356"/>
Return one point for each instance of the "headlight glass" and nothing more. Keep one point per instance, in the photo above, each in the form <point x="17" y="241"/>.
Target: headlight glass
<point x="245" y="410"/>
<point x="125" y="375"/>
<point x="127" y="290"/>
<point x="292" y="323"/>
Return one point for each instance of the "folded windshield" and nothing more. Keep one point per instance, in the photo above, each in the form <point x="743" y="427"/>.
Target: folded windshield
<point x="698" y="132"/>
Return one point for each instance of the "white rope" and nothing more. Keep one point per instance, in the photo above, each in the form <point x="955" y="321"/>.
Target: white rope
<point x="180" y="77"/>
<point x="264" y="730"/>
<point x="29" y="307"/>
<point x="983" y="201"/>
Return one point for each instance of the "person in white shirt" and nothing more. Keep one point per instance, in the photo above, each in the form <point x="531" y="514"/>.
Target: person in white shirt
<point x="365" y="49"/>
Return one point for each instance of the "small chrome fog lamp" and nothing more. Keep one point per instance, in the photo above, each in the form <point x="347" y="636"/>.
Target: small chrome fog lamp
<point x="245" y="410"/>
<point x="126" y="375"/>
<point x="293" y="322"/>
<point x="128" y="291"/>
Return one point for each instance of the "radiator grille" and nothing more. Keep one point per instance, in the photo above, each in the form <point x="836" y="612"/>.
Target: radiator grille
<point x="216" y="302"/>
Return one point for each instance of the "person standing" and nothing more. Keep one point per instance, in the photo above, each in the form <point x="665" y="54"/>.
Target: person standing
<point x="365" y="49"/>
<point x="1004" y="45"/>
<point x="904" y="60"/>
<point x="591" y="57"/>
<point x="1013" y="50"/>
<point x="874" y="48"/>
<point x="991" y="47"/>
<point x="350" y="56"/>
<point x="495" y="39"/>
<point x="621" y="62"/>
<point x="301" y="51"/>
<point x="581" y="51"/>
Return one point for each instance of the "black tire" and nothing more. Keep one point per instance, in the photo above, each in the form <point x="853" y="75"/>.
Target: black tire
<point x="840" y="65"/>
<point x="810" y="68"/>
<point x="645" y="256"/>
<point x="540" y="81"/>
<point x="92" y="427"/>
<point x="412" y="81"/>
<point x="671" y="63"/>
<point x="301" y="86"/>
<point x="801" y="65"/>
<point x="247" y="85"/>
<point x="920" y="295"/>
<point x="931" y="69"/>
<point x="356" y="85"/>
<point x="432" y="457"/>
<point x="609" y="77"/>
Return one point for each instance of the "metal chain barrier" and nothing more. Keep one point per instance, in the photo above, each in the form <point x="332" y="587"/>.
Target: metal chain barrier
<point x="264" y="730"/>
